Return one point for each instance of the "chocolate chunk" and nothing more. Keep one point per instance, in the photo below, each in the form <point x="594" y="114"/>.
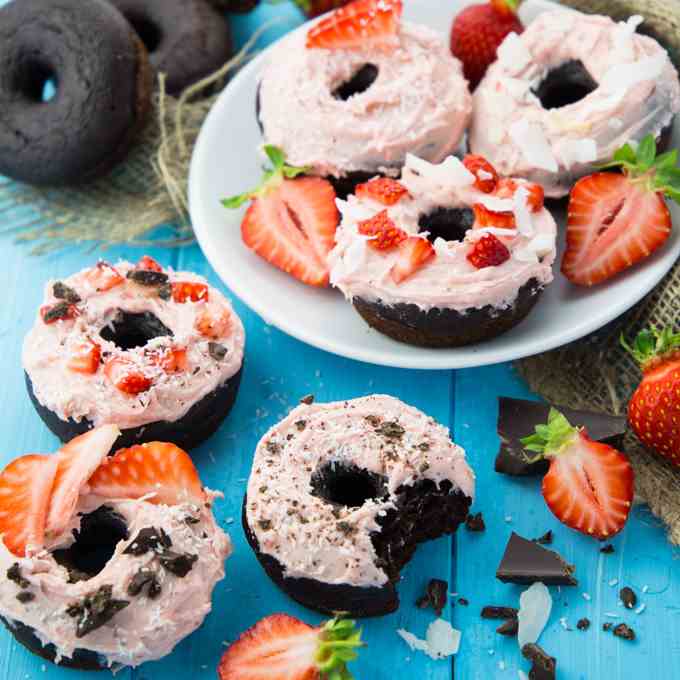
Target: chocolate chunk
<point x="546" y="539"/>
<point x="526" y="562"/>
<point x="628" y="597"/>
<point x="14" y="574"/>
<point x="583" y="624"/>
<point x="95" y="610"/>
<point x="25" y="596"/>
<point x="517" y="419"/>
<point x="543" y="666"/>
<point x="463" y="602"/>
<point x="607" y="626"/>
<point x="192" y="520"/>
<point x="148" y="539"/>
<point x="154" y="589"/>
<point x="308" y="399"/>
<point x="607" y="549"/>
<point x="491" y="612"/>
<point x="624" y="631"/>
<point x="475" y="523"/>
<point x="509" y="628"/>
<point x="165" y="291"/>
<point x="62" y="310"/>
<point x="146" y="277"/>
<point x="265" y="524"/>
<point x="217" y="351"/>
<point x="301" y="425"/>
<point x="179" y="564"/>
<point x="391" y="430"/>
<point x="436" y="595"/>
<point x="62" y="292"/>
<point x="141" y="579"/>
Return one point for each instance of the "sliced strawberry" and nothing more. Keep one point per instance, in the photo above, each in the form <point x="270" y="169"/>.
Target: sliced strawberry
<point x="25" y="487"/>
<point x="382" y="189"/>
<point x="76" y="461"/>
<point x="361" y="24"/>
<point x="506" y="188"/>
<point x="156" y="467"/>
<point x="386" y="234"/>
<point x="149" y="264"/>
<point x="103" y="277"/>
<point x="414" y="253"/>
<point x="489" y="251"/>
<point x="280" y="647"/>
<point x="171" y="360"/>
<point x="126" y="376"/>
<point x="489" y="218"/>
<point x="85" y="357"/>
<point x="62" y="311"/>
<point x="213" y="322"/>
<point x="485" y="174"/>
<point x="189" y="290"/>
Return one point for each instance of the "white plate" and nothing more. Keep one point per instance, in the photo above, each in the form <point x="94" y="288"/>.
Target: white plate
<point x="225" y="162"/>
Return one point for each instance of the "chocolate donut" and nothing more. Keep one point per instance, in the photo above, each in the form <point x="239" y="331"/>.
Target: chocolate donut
<point x="103" y="90"/>
<point x="340" y="495"/>
<point x="158" y="353"/>
<point x="186" y="39"/>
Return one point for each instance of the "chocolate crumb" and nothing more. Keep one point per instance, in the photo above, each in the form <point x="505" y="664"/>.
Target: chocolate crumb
<point x="475" y="523"/>
<point x="308" y="399"/>
<point x="148" y="539"/>
<point x="263" y="488"/>
<point x="265" y="524"/>
<point x="273" y="447"/>
<point x="435" y="596"/>
<point x="61" y="310"/>
<point x="628" y="597"/>
<point x="147" y="277"/>
<point x="63" y="292"/>
<point x="14" y="574"/>
<point x="607" y="549"/>
<point x="607" y="626"/>
<point x="346" y="528"/>
<point x="546" y="539"/>
<point x="424" y="468"/>
<point x="373" y="421"/>
<point x="624" y="631"/>
<point x="217" y="351"/>
<point x="583" y="624"/>
<point x="95" y="610"/>
<point x="543" y="666"/>
<point x="165" y="291"/>
<point x="509" y="628"/>
<point x="192" y="520"/>
<point x="391" y="430"/>
<point x="493" y="612"/>
<point x="178" y="564"/>
<point x="25" y="596"/>
<point x="301" y="425"/>
<point x="424" y="446"/>
<point x="463" y="602"/>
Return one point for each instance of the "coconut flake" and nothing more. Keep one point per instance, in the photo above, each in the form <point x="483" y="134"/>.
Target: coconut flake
<point x="535" y="605"/>
<point x="483" y="174"/>
<point x="517" y="88"/>
<point x="520" y="207"/>
<point x="495" y="231"/>
<point x="495" y="204"/>
<point x="451" y="172"/>
<point x="577" y="151"/>
<point x="355" y="256"/>
<point x="532" y="142"/>
<point x="624" y="76"/>
<point x="514" y="54"/>
<point x="441" y="640"/>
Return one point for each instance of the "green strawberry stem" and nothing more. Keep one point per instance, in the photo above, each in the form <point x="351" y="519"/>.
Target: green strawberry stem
<point x="642" y="166"/>
<point x="339" y="640"/>
<point x="651" y="345"/>
<point x="272" y="178"/>
<point x="550" y="439"/>
<point x="506" y="6"/>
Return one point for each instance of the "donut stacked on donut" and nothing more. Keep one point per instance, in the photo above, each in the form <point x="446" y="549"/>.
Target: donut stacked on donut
<point x="349" y="108"/>
<point x="567" y="93"/>
<point x="106" y="561"/>
<point x="340" y="494"/>
<point x="154" y="351"/>
<point x="450" y="255"/>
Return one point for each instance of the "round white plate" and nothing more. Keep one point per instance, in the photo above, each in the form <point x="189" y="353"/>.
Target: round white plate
<point x="226" y="162"/>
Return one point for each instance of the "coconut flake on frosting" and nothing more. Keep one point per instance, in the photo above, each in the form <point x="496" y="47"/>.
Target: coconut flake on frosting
<point x="532" y="142"/>
<point x="514" y="55"/>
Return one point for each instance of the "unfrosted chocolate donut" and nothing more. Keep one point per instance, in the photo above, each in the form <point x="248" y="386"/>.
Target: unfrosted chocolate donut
<point x="103" y="89"/>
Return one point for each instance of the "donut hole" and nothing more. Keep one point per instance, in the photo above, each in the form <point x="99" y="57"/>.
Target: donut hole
<point x="129" y="330"/>
<point x="148" y="31"/>
<point x="447" y="223"/>
<point x="347" y="485"/>
<point x="360" y="81"/>
<point x="567" y="84"/>
<point x="36" y="80"/>
<point x="94" y="544"/>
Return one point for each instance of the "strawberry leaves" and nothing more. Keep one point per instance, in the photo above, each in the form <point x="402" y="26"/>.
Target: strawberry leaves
<point x="651" y="344"/>
<point x="549" y="439"/>
<point x="339" y="639"/>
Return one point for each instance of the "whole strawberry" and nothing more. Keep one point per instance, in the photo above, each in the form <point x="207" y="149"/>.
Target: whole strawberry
<point x="314" y="8"/>
<point x="477" y="33"/>
<point x="654" y="408"/>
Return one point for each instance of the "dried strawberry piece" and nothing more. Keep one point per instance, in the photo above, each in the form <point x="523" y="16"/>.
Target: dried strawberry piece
<point x="385" y="232"/>
<point x="488" y="252"/>
<point x="382" y="189"/>
<point x="485" y="174"/>
<point x="189" y="290"/>
<point x="489" y="218"/>
<point x="126" y="376"/>
<point x="62" y="311"/>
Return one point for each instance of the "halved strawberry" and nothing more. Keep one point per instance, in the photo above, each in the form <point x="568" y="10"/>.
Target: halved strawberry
<point x="489" y="251"/>
<point x="361" y="24"/>
<point x="62" y="311"/>
<point x="589" y="486"/>
<point x="485" y="174"/>
<point x="414" y="252"/>
<point x="507" y="188"/>
<point x="614" y="220"/>
<point x="103" y="277"/>
<point x="213" y="322"/>
<point x="386" y="234"/>
<point x="149" y="264"/>
<point x="489" y="218"/>
<point x="189" y="290"/>
<point x="126" y="376"/>
<point x="85" y="357"/>
<point x="280" y="647"/>
<point x="171" y="360"/>
<point x="25" y="487"/>
<point x="76" y="461"/>
<point x="382" y="189"/>
<point x="156" y="467"/>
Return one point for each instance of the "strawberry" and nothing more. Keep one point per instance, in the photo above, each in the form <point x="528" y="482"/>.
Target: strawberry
<point x="478" y="32"/>
<point x="382" y="189"/>
<point x="25" y="486"/>
<point x="386" y="235"/>
<point x="126" y="376"/>
<point x="589" y="485"/>
<point x="171" y="360"/>
<point x="149" y="264"/>
<point x="76" y="461"/>
<point x="485" y="174"/>
<point x="506" y="188"/>
<point x="414" y="252"/>
<point x="280" y="647"/>
<point x="359" y="25"/>
<point x="489" y="251"/>
<point x="156" y="467"/>
<point x="189" y="290"/>
<point x="62" y="311"/>
<point x="291" y="221"/>
<point x="315" y="8"/>
<point x="654" y="408"/>
<point x="213" y="322"/>
<point x="103" y="277"/>
<point x="490" y="218"/>
<point x="85" y="357"/>
<point x="616" y="220"/>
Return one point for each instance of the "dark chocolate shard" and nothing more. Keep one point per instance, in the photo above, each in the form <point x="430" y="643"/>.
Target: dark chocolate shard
<point x="546" y="539"/>
<point x="14" y="574"/>
<point x="463" y="602"/>
<point x="307" y="399"/>
<point x="475" y="523"/>
<point x="607" y="626"/>
<point x="25" y="596"/>
<point x="436" y="596"/>
<point x="517" y="419"/>
<point x="628" y="597"/>
<point x="526" y="562"/>
<point x="143" y="578"/>
<point x="607" y="549"/>
<point x="62" y="310"/>
<point x="63" y="292"/>
<point x="148" y="539"/>
<point x="147" y="277"/>
<point x="543" y="666"/>
<point x="95" y="610"/>
<point x="491" y="612"/>
<point x="583" y="624"/>
<point x="625" y="632"/>
<point x="177" y="563"/>
<point x="509" y="628"/>
<point x="217" y="351"/>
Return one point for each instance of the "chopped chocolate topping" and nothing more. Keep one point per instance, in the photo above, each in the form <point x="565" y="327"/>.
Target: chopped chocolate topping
<point x="154" y="589"/>
<point x="177" y="563"/>
<point x="25" y="596"/>
<point x="308" y="399"/>
<point x="373" y="421"/>
<point x="628" y="597"/>
<point x="265" y="524"/>
<point x="217" y="351"/>
<point x="463" y="602"/>
<point x="95" y="610"/>
<point x="436" y="595"/>
<point x="192" y="520"/>
<point x="301" y="425"/>
<point x="346" y="528"/>
<point x="148" y="539"/>
<point x="273" y="447"/>
<point x="62" y="310"/>
<point x="509" y="628"/>
<point x="391" y="430"/>
<point x="142" y="578"/>
<point x="165" y="291"/>
<point x="543" y="666"/>
<point x="624" y="631"/>
<point x="424" y="468"/>
<point x="475" y="523"/>
<point x="546" y="539"/>
<point x="14" y="574"/>
<point x="583" y="624"/>
<point x="607" y="626"/>
<point x="424" y="446"/>
<point x="263" y="488"/>
<point x="492" y="612"/>
<point x="146" y="277"/>
<point x="62" y="292"/>
<point x="607" y="549"/>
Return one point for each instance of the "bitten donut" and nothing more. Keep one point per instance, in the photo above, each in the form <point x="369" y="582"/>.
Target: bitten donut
<point x="156" y="352"/>
<point x="186" y="39"/>
<point x="103" y="89"/>
<point x="340" y="495"/>
<point x="446" y="256"/>
<point x="106" y="561"/>
<point x="349" y="113"/>
<point x="567" y="93"/>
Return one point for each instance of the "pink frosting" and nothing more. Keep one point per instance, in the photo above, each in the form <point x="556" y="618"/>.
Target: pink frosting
<point x="419" y="103"/>
<point x="309" y="536"/>
<point x="448" y="280"/>
<point x="95" y="397"/>
<point x="638" y="94"/>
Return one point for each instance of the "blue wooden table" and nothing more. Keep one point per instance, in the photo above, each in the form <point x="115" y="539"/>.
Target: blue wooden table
<point x="466" y="402"/>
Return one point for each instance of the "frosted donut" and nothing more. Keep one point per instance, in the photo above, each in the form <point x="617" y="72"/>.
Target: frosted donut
<point x="447" y="300"/>
<point x="340" y="494"/>
<point x="156" y="352"/>
<point x="567" y="93"/>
